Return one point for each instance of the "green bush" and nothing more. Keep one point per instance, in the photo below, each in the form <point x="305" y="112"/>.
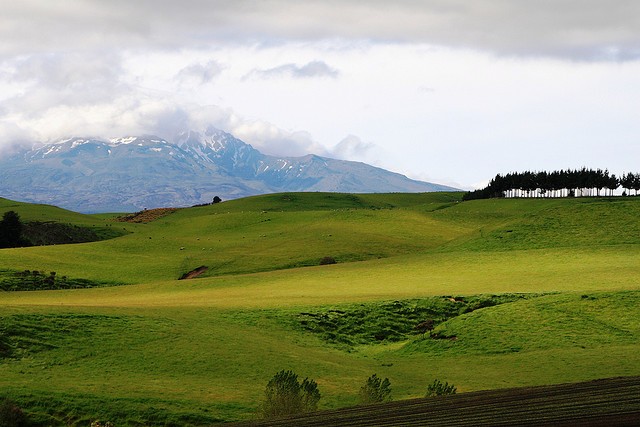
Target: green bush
<point x="375" y="390"/>
<point x="438" y="389"/>
<point x="328" y="260"/>
<point x="285" y="395"/>
<point x="11" y="415"/>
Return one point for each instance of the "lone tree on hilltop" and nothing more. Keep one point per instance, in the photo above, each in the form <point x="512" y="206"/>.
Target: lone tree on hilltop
<point x="216" y="199"/>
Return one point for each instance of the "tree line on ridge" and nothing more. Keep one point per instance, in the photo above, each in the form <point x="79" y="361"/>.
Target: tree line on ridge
<point x="564" y="183"/>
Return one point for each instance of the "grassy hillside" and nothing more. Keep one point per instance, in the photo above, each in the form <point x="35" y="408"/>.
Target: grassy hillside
<point x="197" y="351"/>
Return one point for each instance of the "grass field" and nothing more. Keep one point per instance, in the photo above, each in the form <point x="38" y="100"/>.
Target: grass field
<point x="192" y="352"/>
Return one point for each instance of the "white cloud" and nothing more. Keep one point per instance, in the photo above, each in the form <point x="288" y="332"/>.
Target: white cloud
<point x="313" y="69"/>
<point x="199" y="73"/>
<point x="270" y="139"/>
<point x="353" y="148"/>
<point x="577" y="29"/>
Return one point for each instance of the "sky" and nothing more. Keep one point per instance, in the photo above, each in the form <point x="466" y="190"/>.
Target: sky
<point x="446" y="91"/>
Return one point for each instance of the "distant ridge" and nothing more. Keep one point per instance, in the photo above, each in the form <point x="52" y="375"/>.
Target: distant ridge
<point x="137" y="172"/>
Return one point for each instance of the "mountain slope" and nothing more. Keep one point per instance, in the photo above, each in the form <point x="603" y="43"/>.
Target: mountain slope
<point x="124" y="174"/>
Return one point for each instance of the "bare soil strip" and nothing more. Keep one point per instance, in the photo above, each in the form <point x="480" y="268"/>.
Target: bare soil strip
<point x="194" y="273"/>
<point x="146" y="215"/>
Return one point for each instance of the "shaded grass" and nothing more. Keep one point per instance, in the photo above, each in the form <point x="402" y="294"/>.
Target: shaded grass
<point x="68" y="409"/>
<point x="36" y="280"/>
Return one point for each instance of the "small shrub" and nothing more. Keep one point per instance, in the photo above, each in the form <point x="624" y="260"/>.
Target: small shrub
<point x="284" y="395"/>
<point x="437" y="388"/>
<point x="328" y="260"/>
<point x="375" y="390"/>
<point x="310" y="395"/>
<point x="11" y="415"/>
<point x="424" y="327"/>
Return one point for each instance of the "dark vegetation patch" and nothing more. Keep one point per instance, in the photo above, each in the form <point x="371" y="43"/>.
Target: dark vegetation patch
<point x="319" y="201"/>
<point x="27" y="280"/>
<point x="146" y="215"/>
<point x="328" y="260"/>
<point x="39" y="233"/>
<point x="11" y="415"/>
<point x="393" y="321"/>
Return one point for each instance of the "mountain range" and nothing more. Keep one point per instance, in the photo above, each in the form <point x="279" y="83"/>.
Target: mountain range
<point x="138" y="172"/>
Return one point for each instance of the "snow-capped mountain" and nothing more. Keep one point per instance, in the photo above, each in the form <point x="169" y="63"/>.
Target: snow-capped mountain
<point x="132" y="173"/>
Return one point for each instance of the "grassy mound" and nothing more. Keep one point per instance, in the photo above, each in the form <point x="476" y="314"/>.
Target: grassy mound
<point x="393" y="321"/>
<point x="593" y="320"/>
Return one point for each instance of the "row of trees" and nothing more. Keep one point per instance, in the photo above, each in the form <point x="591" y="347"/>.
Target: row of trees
<point x="286" y="395"/>
<point x="563" y="183"/>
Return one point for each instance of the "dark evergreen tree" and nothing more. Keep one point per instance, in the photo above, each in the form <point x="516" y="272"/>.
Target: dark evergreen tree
<point x="636" y="183"/>
<point x="10" y="230"/>
<point x="626" y="181"/>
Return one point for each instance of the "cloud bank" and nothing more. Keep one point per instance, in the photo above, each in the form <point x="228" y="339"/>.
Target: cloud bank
<point x="576" y="29"/>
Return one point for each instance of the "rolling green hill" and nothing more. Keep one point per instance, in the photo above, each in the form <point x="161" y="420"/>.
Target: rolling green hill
<point x="198" y="351"/>
<point x="46" y="223"/>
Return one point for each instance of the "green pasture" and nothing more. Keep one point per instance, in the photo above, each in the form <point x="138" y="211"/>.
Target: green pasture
<point x="166" y="352"/>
